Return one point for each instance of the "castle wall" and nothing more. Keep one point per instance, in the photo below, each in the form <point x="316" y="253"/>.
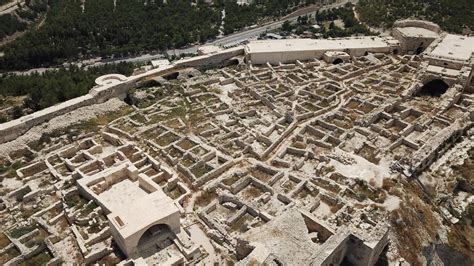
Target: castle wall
<point x="418" y="24"/>
<point x="118" y="88"/>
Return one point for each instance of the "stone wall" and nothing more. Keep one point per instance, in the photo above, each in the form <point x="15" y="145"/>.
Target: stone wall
<point x="418" y="24"/>
<point x="116" y="88"/>
<point x="411" y="44"/>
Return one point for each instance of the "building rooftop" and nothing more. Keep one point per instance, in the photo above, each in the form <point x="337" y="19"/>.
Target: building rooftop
<point x="455" y="47"/>
<point x="418" y="32"/>
<point x="133" y="204"/>
<point x="289" y="45"/>
<point x="142" y="212"/>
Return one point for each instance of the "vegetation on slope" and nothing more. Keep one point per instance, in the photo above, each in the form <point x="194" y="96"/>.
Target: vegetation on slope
<point x="53" y="87"/>
<point x="23" y="16"/>
<point x="351" y="25"/>
<point x="348" y="24"/>
<point x="102" y="29"/>
<point x="74" y="31"/>
<point x="451" y="15"/>
<point x="9" y="25"/>
<point x="240" y="16"/>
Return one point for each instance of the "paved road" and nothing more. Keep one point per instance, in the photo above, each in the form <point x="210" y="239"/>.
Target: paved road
<point x="250" y="33"/>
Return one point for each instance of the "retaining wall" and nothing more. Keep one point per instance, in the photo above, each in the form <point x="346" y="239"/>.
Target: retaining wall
<point x="13" y="129"/>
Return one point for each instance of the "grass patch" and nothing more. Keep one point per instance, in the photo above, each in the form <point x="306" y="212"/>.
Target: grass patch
<point x="8" y="169"/>
<point x="252" y="192"/>
<point x="241" y="225"/>
<point x="167" y="139"/>
<point x="364" y="191"/>
<point x="8" y="255"/>
<point x="22" y="230"/>
<point x="204" y="198"/>
<point x="369" y="153"/>
<point x="39" y="259"/>
<point x="413" y="224"/>
<point x="89" y="208"/>
<point x="175" y="193"/>
<point x="465" y="170"/>
<point x="4" y="241"/>
<point x="75" y="200"/>
<point x="231" y="180"/>
<point x="200" y="170"/>
<point x="186" y="144"/>
<point x="19" y="197"/>
<point x="38" y="239"/>
<point x="138" y="118"/>
<point x="259" y="174"/>
<point x="461" y="235"/>
<point x="73" y="131"/>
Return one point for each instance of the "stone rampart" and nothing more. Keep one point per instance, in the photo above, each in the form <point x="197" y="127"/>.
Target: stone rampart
<point x="109" y="86"/>
<point x="418" y="24"/>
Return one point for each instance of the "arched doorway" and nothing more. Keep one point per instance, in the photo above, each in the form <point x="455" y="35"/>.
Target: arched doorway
<point x="155" y="239"/>
<point x="337" y="61"/>
<point x="395" y="51"/>
<point x="171" y="76"/>
<point x="434" y="88"/>
<point x="419" y="50"/>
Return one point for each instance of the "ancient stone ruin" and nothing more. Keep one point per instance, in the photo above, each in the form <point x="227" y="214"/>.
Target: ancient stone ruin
<point x="222" y="159"/>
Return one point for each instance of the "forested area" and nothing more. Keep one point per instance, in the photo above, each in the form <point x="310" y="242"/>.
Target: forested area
<point x="19" y="19"/>
<point x="53" y="87"/>
<point x="128" y="28"/>
<point x="100" y="28"/>
<point x="238" y="17"/>
<point x="10" y="25"/>
<point x="351" y="25"/>
<point x="347" y="24"/>
<point x="451" y="15"/>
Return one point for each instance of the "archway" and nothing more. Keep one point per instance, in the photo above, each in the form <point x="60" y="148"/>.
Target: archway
<point x="171" y="76"/>
<point x="155" y="239"/>
<point x="395" y="51"/>
<point x="419" y="50"/>
<point x="233" y="62"/>
<point x="337" y="61"/>
<point x="434" y="88"/>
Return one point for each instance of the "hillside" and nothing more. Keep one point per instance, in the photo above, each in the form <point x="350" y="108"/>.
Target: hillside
<point x="451" y="15"/>
<point x="75" y="30"/>
<point x="101" y="28"/>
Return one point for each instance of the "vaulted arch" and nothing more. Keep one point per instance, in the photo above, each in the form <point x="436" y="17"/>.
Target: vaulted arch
<point x="154" y="239"/>
<point x="337" y="61"/>
<point x="436" y="88"/>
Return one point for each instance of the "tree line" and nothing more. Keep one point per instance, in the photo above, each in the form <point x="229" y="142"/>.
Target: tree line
<point x="351" y="25"/>
<point x="100" y="28"/>
<point x="451" y="15"/>
<point x="52" y="87"/>
<point x="241" y="16"/>
<point x="19" y="19"/>
<point x="75" y="30"/>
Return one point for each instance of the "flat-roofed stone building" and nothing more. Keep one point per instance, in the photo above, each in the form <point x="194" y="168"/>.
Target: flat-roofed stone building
<point x="136" y="206"/>
<point x="291" y="50"/>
